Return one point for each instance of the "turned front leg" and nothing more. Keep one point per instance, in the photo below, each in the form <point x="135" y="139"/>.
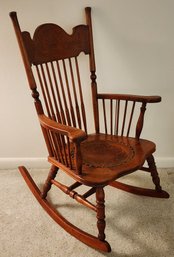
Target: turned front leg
<point x="100" y="199"/>
<point x="47" y="186"/>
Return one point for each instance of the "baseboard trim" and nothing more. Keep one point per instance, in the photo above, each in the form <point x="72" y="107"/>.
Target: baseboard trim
<point x="164" y="162"/>
<point x="13" y="163"/>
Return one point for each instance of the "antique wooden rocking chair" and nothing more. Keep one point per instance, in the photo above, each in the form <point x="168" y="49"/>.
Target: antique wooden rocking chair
<point x="51" y="60"/>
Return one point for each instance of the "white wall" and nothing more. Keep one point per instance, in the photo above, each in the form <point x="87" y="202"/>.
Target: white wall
<point x="134" y="45"/>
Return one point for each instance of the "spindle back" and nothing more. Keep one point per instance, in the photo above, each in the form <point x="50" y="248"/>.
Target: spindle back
<point x="121" y="116"/>
<point x="51" y="61"/>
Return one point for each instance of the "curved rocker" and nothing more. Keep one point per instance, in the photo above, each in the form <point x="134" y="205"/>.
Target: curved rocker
<point x="139" y="190"/>
<point x="81" y="235"/>
<point x="53" y="70"/>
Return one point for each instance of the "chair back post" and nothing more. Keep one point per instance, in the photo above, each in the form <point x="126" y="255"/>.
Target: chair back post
<point x="140" y="122"/>
<point x="27" y="64"/>
<point x="92" y="69"/>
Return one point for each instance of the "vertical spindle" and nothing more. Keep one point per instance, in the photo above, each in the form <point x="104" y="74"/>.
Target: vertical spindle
<point x="81" y="95"/>
<point x="75" y="94"/>
<point x="104" y="115"/>
<point x="111" y="116"/>
<point x="130" y="120"/>
<point x="124" y="118"/>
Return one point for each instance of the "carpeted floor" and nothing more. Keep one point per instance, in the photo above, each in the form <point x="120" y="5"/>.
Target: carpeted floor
<point x="136" y="226"/>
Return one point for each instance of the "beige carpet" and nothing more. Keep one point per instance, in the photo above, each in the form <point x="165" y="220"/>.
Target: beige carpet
<point x="136" y="226"/>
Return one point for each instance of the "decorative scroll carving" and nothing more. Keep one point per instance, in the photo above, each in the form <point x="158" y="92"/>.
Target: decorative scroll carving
<point x="50" y="42"/>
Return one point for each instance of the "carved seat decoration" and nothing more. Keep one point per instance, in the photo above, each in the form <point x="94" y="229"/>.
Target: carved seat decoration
<point x="51" y="60"/>
<point x="119" y="153"/>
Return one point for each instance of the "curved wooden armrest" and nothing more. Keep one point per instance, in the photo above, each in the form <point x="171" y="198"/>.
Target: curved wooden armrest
<point x="74" y="134"/>
<point x="136" y="98"/>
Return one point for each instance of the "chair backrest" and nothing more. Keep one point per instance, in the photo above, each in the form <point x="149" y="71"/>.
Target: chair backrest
<point x="52" y="67"/>
<point x="53" y="71"/>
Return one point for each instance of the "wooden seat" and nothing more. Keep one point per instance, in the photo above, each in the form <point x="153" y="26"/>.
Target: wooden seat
<point x="115" y="149"/>
<point x="107" y="157"/>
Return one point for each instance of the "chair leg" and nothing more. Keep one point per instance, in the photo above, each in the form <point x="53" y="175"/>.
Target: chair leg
<point x="81" y="235"/>
<point x="154" y="173"/>
<point x="47" y="186"/>
<point x="100" y="199"/>
<point x="157" y="192"/>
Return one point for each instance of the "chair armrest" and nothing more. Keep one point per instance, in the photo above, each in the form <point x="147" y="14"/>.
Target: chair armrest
<point x="127" y="112"/>
<point x="75" y="135"/>
<point x="136" y="98"/>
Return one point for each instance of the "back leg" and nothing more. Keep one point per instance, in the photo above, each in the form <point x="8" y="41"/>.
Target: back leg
<point x="47" y="186"/>
<point x="157" y="192"/>
<point x="154" y="173"/>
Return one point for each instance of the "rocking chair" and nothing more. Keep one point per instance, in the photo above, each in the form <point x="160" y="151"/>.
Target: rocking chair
<point x="51" y="60"/>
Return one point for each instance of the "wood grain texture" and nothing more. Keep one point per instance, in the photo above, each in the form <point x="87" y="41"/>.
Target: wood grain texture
<point x="101" y="165"/>
<point x="57" y="44"/>
<point x="81" y="235"/>
<point x="96" y="160"/>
